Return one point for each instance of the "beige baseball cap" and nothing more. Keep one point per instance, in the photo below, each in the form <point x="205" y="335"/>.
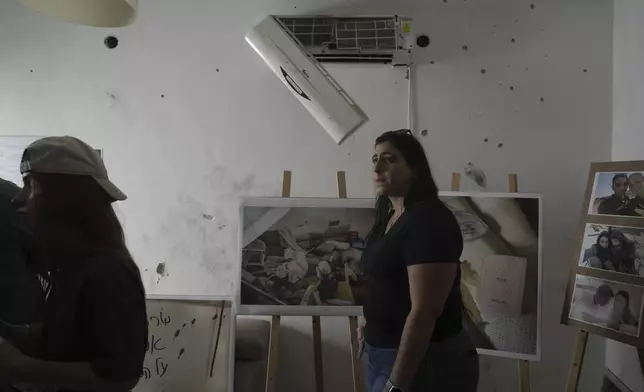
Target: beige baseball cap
<point x="68" y="155"/>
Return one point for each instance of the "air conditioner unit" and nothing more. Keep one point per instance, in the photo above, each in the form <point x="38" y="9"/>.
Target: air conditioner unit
<point x="293" y="48"/>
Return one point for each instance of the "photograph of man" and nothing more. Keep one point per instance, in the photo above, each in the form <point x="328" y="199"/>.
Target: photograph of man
<point x="619" y="194"/>
<point x="636" y="192"/>
<point x="607" y="304"/>
<point x="594" y="308"/>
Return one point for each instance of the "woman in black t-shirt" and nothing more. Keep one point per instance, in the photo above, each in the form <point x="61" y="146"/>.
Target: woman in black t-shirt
<point x="413" y="339"/>
<point x="94" y="330"/>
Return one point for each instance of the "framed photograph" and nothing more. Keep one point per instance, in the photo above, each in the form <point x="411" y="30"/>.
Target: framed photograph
<point x="613" y="248"/>
<point x="606" y="307"/>
<point x="617" y="189"/>
<point x="304" y="257"/>
<point x="501" y="271"/>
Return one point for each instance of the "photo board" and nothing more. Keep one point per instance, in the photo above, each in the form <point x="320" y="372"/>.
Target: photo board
<point x="605" y="293"/>
<point x="190" y="345"/>
<point x="304" y="257"/>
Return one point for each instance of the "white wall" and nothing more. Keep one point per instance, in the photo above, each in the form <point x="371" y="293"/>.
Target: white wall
<point x="628" y="139"/>
<point x="190" y="119"/>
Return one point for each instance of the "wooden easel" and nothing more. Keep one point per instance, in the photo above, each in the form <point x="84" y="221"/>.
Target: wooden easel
<point x="523" y="365"/>
<point x="271" y="371"/>
<point x="577" y="361"/>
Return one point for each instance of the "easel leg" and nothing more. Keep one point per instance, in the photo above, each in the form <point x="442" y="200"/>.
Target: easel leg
<point x="577" y="361"/>
<point x="523" y="366"/>
<point x="317" y="354"/>
<point x="356" y="367"/>
<point x="524" y="376"/>
<point x="273" y="343"/>
<point x="273" y="354"/>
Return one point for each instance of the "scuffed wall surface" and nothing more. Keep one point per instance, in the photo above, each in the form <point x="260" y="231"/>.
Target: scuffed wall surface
<point x="628" y="140"/>
<point x="190" y="119"/>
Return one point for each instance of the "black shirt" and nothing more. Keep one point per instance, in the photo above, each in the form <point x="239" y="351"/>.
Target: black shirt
<point x="427" y="232"/>
<point x="96" y="313"/>
<point x="21" y="297"/>
<point x="624" y="206"/>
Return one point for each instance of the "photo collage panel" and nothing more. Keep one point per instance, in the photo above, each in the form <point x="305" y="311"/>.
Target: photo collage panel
<point x="606" y="288"/>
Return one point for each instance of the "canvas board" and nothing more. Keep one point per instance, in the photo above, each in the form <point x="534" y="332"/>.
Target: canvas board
<point x="303" y="257"/>
<point x="191" y="344"/>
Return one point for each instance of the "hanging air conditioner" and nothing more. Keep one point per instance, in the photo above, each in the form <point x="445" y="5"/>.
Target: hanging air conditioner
<point x="293" y="48"/>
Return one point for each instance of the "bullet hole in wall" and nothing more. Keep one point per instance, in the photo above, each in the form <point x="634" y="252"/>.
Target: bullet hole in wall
<point x="513" y="40"/>
<point x="485" y="140"/>
<point x="111" y="42"/>
<point x="585" y="70"/>
<point x="423" y="41"/>
<point x="465" y="48"/>
<point x="542" y="99"/>
<point x="217" y="70"/>
<point x="483" y="71"/>
<point x="162" y="95"/>
<point x="500" y="145"/>
<point x="31" y="70"/>
<point x="511" y="88"/>
<point x="532" y="6"/>
<point x="432" y="62"/>
<point x="423" y="132"/>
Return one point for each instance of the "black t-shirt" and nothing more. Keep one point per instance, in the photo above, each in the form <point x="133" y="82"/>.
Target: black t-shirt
<point x="96" y="313"/>
<point x="427" y="232"/>
<point x="21" y="297"/>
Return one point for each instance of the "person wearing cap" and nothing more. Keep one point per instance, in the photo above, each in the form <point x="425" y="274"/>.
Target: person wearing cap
<point x="21" y="296"/>
<point x="93" y="335"/>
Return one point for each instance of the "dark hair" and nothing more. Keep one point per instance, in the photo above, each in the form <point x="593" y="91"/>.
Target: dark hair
<point x="625" y="257"/>
<point x="78" y="204"/>
<point x="423" y="187"/>
<point x="618" y="176"/>
<point x="605" y="291"/>
<point x="603" y="234"/>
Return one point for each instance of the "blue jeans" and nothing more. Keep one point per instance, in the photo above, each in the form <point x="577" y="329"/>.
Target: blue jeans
<point x="450" y="365"/>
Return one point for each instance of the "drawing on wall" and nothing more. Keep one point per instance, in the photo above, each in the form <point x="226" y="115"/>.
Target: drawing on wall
<point x="303" y="257"/>
<point x="303" y="253"/>
<point x="613" y="248"/>
<point x="618" y="194"/>
<point x="607" y="304"/>
<point x="501" y="270"/>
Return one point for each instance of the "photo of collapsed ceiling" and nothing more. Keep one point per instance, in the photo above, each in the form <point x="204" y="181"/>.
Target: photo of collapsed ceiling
<point x="304" y="256"/>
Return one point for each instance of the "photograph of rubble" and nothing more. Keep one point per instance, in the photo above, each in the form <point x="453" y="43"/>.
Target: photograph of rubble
<point x="304" y="253"/>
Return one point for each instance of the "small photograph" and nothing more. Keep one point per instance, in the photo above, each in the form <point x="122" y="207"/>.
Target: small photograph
<point x="613" y="248"/>
<point x="618" y="194"/>
<point x="607" y="304"/>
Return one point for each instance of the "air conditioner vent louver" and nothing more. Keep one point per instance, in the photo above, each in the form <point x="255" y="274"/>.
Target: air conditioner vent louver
<point x="346" y="39"/>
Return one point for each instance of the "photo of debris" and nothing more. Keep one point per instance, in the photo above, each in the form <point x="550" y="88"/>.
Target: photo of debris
<point x="304" y="256"/>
